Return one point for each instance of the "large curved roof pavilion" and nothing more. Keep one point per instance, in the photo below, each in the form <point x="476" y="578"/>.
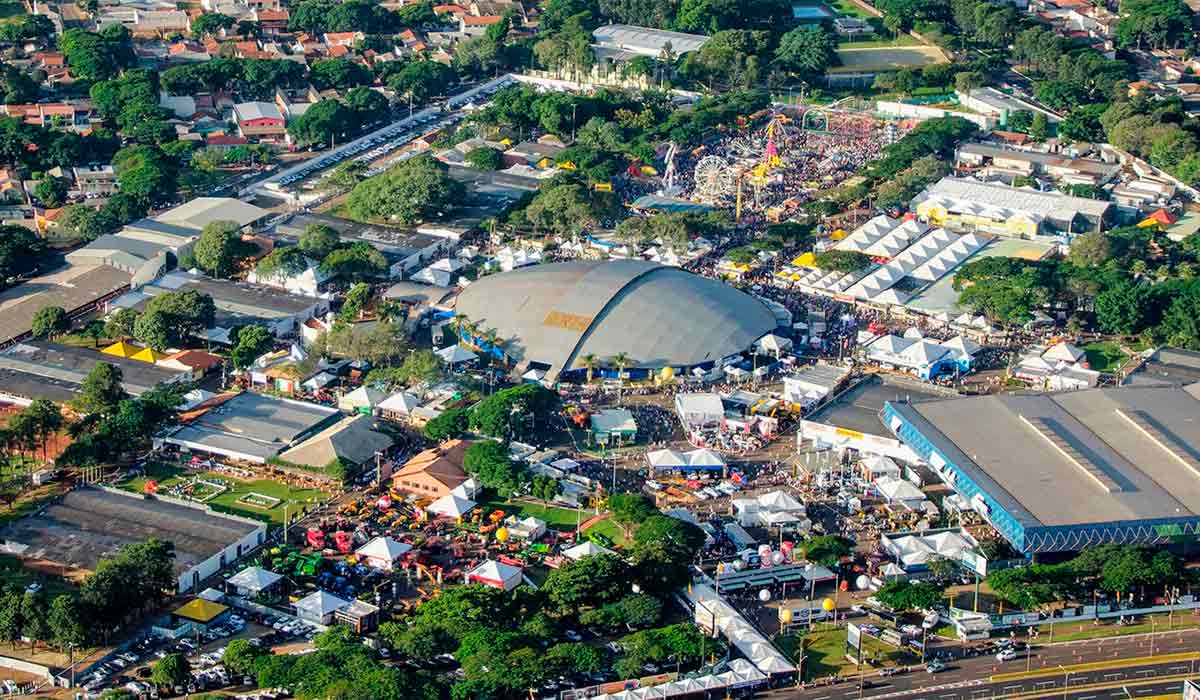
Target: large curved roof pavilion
<point x="659" y="316"/>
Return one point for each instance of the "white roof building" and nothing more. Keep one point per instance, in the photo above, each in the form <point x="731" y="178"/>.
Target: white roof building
<point x="586" y="548"/>
<point x="456" y="354"/>
<point x="319" y="607"/>
<point x="883" y="237"/>
<point x="364" y="397"/>
<point x="440" y="273"/>
<point x="400" y="403"/>
<point x="645" y="41"/>
<point x="253" y="580"/>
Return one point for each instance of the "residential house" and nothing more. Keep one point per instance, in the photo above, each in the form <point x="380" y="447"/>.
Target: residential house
<point x="477" y="26"/>
<point x="260" y="120"/>
<point x="272" y="22"/>
<point x="144" y="22"/>
<point x="95" y="180"/>
<point x="345" y="39"/>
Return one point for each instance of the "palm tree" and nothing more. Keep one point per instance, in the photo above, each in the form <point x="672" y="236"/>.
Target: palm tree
<point x="620" y="361"/>
<point x="390" y="311"/>
<point x="589" y="362"/>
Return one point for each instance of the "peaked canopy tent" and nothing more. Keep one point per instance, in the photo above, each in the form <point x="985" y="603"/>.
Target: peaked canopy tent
<point x="456" y="355"/>
<point x="586" y="548"/>
<point x="400" y="404"/>
<point x="451" y="506"/>
<point x="253" y="580"/>
<point x="692" y="460"/>
<point x="319" y="607"/>
<point x="497" y="575"/>
<point x="382" y="553"/>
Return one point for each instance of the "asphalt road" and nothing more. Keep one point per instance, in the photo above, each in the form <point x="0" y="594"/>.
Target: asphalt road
<point x="970" y="678"/>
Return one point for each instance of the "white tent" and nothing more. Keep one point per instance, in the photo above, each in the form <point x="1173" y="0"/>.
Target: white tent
<point x="363" y="397"/>
<point x="566" y="464"/>
<point x="529" y="528"/>
<point x="467" y="489"/>
<point x="319" y="607"/>
<point x="779" y="501"/>
<point x="319" y="380"/>
<point x="898" y="490"/>
<point x="890" y="569"/>
<point x="962" y="344"/>
<point x="1063" y="352"/>
<point x="666" y="459"/>
<point x="914" y="333"/>
<point x="703" y="458"/>
<point x="456" y="354"/>
<point x="401" y="403"/>
<point x="773" y="344"/>
<point x="253" y="580"/>
<point x="382" y="552"/>
<point x="879" y="466"/>
<point x="497" y="575"/>
<point x="585" y="549"/>
<point x="451" y="506"/>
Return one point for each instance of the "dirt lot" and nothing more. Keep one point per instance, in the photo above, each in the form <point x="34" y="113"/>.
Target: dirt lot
<point x="886" y="57"/>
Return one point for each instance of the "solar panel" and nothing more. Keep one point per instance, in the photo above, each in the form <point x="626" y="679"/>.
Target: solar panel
<point x="1168" y="442"/>
<point x="1050" y="432"/>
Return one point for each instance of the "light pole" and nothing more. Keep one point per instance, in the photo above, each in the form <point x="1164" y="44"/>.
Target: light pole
<point x="1066" y="680"/>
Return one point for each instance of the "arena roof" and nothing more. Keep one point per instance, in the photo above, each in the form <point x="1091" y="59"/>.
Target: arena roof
<point x="646" y="41"/>
<point x="1073" y="458"/>
<point x="660" y="316"/>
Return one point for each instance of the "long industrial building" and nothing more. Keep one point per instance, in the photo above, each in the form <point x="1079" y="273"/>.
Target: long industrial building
<point x="1061" y="472"/>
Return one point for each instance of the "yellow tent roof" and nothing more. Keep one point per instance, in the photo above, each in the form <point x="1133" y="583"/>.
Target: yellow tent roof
<point x="838" y="235"/>
<point x="808" y="259"/>
<point x="147" y="355"/>
<point x="200" y="610"/>
<point x="121" y="349"/>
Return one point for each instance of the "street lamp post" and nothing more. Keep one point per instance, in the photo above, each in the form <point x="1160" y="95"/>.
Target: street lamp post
<point x="1066" y="680"/>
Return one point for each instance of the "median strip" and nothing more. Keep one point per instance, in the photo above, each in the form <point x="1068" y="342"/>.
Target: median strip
<point x="1098" y="666"/>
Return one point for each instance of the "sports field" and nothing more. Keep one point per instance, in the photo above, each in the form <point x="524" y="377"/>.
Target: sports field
<point x="887" y="58"/>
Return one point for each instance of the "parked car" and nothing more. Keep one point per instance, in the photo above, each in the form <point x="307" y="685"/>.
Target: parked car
<point x="935" y="666"/>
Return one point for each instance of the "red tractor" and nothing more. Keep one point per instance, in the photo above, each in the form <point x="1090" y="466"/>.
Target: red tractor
<point x="316" y="538"/>
<point x="344" y="541"/>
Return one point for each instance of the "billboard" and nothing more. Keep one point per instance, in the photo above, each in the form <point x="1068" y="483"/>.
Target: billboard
<point x="853" y="636"/>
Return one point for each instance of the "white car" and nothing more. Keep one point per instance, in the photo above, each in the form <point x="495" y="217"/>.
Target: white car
<point x="1006" y="655"/>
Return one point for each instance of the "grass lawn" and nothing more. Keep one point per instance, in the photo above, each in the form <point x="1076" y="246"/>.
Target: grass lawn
<point x="845" y="7"/>
<point x="77" y="340"/>
<point x="877" y="40"/>
<point x="29" y="502"/>
<point x="561" y="519"/>
<point x="167" y="475"/>
<point x="13" y="570"/>
<point x="1076" y="631"/>
<point x="825" y="653"/>
<point x="1105" y="356"/>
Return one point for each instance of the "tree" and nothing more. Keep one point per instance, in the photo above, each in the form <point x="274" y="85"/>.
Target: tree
<point x="590" y="581"/>
<point x="485" y="158"/>
<point x="807" y="51"/>
<point x="356" y="301"/>
<point x="11" y="621"/>
<point x="420" y="80"/>
<point x="827" y="550"/>
<point x="21" y="253"/>
<point x="1156" y="23"/>
<point x="574" y="657"/>
<point x="217" y="250"/>
<point x="490" y="463"/>
<point x="66" y="622"/>
<point x="842" y="261"/>
<point x="281" y="263"/>
<point x="905" y="595"/>
<point x="629" y="509"/>
<point x="211" y="23"/>
<point x="450" y="424"/>
<point x="189" y="312"/>
<point x="545" y="488"/>
<point x="101" y="390"/>
<point x="338" y="73"/>
<point x="561" y="210"/>
<point x="50" y="321"/>
<point x="252" y="342"/>
<point x="1039" y="129"/>
<point x="359" y="261"/>
<point x="34" y="612"/>
<point x="171" y="670"/>
<point x="663" y="548"/>
<point x="416" y="189"/>
<point x="1122" y="308"/>
<point x="319" y="240"/>
<point x="51" y="191"/>
<point x="325" y="122"/>
<point x="153" y="329"/>
<point x="1090" y="249"/>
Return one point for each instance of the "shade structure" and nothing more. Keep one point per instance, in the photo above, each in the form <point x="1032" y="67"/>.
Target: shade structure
<point x="451" y="506"/>
<point x="382" y="552"/>
<point x="254" y="579"/>
<point x="456" y="354"/>
<point x="585" y="549"/>
<point x="496" y="575"/>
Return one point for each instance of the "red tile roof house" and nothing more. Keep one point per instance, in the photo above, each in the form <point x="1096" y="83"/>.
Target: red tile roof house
<point x="477" y="26"/>
<point x="260" y="120"/>
<point x="347" y="39"/>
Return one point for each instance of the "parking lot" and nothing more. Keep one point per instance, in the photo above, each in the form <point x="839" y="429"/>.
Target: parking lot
<point x="379" y="144"/>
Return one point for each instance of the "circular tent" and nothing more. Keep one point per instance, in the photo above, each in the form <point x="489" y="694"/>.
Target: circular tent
<point x="656" y="315"/>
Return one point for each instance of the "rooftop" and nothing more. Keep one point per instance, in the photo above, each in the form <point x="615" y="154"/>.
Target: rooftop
<point x="1012" y="201"/>
<point x="70" y="288"/>
<point x="388" y="239"/>
<point x="70" y="365"/>
<point x="241" y="300"/>
<point x="200" y="211"/>
<point x="645" y="40"/>
<point x="254" y="425"/>
<point x="1122" y="454"/>
<point x="352" y="438"/>
<point x="89" y="524"/>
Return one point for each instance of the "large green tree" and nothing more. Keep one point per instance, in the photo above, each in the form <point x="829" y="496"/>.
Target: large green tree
<point x="419" y="188"/>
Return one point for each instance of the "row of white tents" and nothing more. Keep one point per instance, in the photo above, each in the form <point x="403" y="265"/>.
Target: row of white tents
<point x="740" y="674"/>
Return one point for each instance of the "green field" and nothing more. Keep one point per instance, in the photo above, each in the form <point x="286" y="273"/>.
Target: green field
<point x="825" y="652"/>
<point x="1105" y="356"/>
<point x="168" y="475"/>
<point x="1076" y="631"/>
<point x="845" y="7"/>
<point x="561" y="519"/>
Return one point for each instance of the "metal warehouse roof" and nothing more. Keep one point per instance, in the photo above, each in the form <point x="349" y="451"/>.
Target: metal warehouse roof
<point x="658" y="315"/>
<point x="1073" y="458"/>
<point x="645" y="39"/>
<point x="1003" y="201"/>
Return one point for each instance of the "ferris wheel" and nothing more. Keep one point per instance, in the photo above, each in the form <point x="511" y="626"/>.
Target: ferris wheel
<point x="713" y="177"/>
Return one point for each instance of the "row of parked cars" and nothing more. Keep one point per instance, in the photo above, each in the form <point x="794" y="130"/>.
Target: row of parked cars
<point x="380" y="145"/>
